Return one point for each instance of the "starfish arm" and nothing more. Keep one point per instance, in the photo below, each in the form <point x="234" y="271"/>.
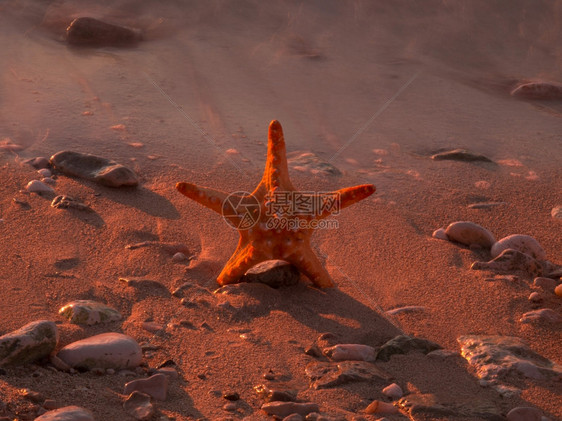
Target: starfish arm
<point x="210" y="198"/>
<point x="241" y="260"/>
<point x="307" y="262"/>
<point x="276" y="173"/>
<point x="343" y="198"/>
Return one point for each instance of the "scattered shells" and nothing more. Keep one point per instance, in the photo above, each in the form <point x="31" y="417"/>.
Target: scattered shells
<point x="520" y="242"/>
<point x="469" y="233"/>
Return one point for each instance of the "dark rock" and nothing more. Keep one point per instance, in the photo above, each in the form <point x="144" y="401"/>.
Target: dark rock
<point x="32" y="342"/>
<point x="231" y="396"/>
<point x="90" y="167"/>
<point x="275" y="273"/>
<point x="328" y="374"/>
<point x="460" y="155"/>
<point x="38" y="163"/>
<point x="90" y="32"/>
<point x="402" y="344"/>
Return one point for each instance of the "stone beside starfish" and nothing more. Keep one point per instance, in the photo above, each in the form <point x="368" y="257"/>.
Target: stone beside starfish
<point x="272" y="226"/>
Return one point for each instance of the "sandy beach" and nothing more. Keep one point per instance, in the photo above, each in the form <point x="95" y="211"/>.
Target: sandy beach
<point x="372" y="89"/>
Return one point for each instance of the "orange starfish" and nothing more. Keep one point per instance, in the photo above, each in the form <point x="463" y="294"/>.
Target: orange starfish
<point x="275" y="221"/>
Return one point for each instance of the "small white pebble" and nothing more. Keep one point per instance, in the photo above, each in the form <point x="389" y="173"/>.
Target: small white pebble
<point x="535" y="297"/>
<point x="440" y="234"/>
<point x="45" y="172"/>
<point x="37" y="186"/>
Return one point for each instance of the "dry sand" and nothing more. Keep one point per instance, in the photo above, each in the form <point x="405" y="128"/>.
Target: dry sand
<point x="208" y="78"/>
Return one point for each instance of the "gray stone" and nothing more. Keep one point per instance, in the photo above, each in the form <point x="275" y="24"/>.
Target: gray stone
<point x="357" y="352"/>
<point x="275" y="273"/>
<point x="460" y="155"/>
<point x="90" y="167"/>
<point x="107" y="350"/>
<point x="68" y="413"/>
<point x="284" y="409"/>
<point x="36" y="186"/>
<point x="469" y="233"/>
<point x="138" y="405"/>
<point x="403" y="344"/>
<point x="31" y="342"/>
<point x="90" y="32"/>
<point x="155" y="386"/>
<point x="524" y="413"/>
<point x="512" y="260"/>
<point x="546" y="284"/>
<point x="324" y="375"/>
<point x="541" y="315"/>
<point x="494" y="357"/>
<point x="88" y="312"/>
<point x="520" y="242"/>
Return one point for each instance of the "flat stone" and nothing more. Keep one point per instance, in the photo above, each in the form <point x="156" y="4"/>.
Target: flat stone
<point x="469" y="233"/>
<point x="520" y="242"/>
<point x="540" y="90"/>
<point x="88" y="312"/>
<point x="68" y="413"/>
<point x="67" y="202"/>
<point x="275" y="273"/>
<point x="107" y="350"/>
<point x="546" y="284"/>
<point x="139" y="406"/>
<point x="403" y="344"/>
<point x="380" y="407"/>
<point x="94" y="168"/>
<point x="324" y="375"/>
<point x="405" y="309"/>
<point x="31" y="342"/>
<point x="512" y="260"/>
<point x="357" y="352"/>
<point x="155" y="386"/>
<point x="284" y="409"/>
<point x="90" y="32"/>
<point x="541" y="315"/>
<point x="524" y="413"/>
<point x="309" y="162"/>
<point x="462" y="155"/>
<point x="494" y="357"/>
<point x="36" y="186"/>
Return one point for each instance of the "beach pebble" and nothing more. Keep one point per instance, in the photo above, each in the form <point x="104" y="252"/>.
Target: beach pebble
<point x="524" y="413"/>
<point x="169" y="372"/>
<point x="538" y="90"/>
<point x="469" y="233"/>
<point x="380" y="407"/>
<point x="138" y="405"/>
<point x="556" y="212"/>
<point x="38" y="162"/>
<point x="155" y="386"/>
<point x="31" y="342"/>
<point x="440" y="234"/>
<point x="329" y="374"/>
<point x="36" y="186"/>
<point x="88" y="312"/>
<point x="357" y="352"/>
<point x="45" y="172"/>
<point x="106" y="350"/>
<point x="90" y="32"/>
<point x="67" y="202"/>
<point x="546" y="284"/>
<point x="520" y="242"/>
<point x="284" y="409"/>
<point x="274" y="273"/>
<point x="535" y="297"/>
<point x="460" y="155"/>
<point x="541" y="315"/>
<point x="393" y="391"/>
<point x="511" y="260"/>
<point x="68" y="413"/>
<point x="101" y="170"/>
<point x="179" y="257"/>
<point x="49" y="180"/>
<point x="274" y="395"/>
<point x="403" y="344"/>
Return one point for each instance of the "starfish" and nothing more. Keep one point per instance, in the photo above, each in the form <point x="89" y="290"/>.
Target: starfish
<point x="275" y="222"/>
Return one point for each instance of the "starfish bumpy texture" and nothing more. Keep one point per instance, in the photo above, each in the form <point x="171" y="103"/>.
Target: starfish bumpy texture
<point x="275" y="221"/>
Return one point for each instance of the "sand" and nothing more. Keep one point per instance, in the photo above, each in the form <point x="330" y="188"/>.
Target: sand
<point x="375" y="88"/>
